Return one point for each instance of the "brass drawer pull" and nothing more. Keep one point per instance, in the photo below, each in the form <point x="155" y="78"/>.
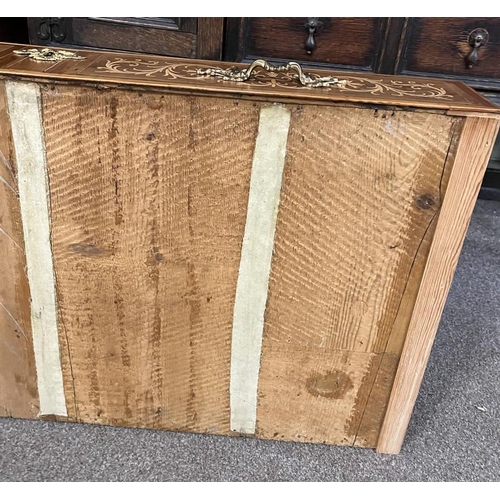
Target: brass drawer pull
<point x="477" y="38"/>
<point x="306" y="79"/>
<point x="313" y="26"/>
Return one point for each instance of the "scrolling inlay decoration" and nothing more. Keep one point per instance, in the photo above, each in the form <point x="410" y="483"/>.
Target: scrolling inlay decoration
<point x="373" y="86"/>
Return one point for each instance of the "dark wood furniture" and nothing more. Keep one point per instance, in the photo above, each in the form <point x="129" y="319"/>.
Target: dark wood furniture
<point x="199" y="37"/>
<point x="440" y="47"/>
<point x="344" y="43"/>
<point x="467" y="49"/>
<point x="14" y="29"/>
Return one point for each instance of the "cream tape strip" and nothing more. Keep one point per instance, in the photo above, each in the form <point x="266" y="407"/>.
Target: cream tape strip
<point x="255" y="265"/>
<point x="26" y="121"/>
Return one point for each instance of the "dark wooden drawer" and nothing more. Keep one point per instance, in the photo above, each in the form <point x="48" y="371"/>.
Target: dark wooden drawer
<point x="339" y="42"/>
<point x="441" y="46"/>
<point x="174" y="36"/>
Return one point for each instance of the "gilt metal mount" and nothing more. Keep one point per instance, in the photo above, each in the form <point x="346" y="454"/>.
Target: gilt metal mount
<point x="48" y="54"/>
<point x="306" y="79"/>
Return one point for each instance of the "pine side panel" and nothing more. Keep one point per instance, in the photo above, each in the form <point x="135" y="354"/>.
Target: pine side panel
<point x="148" y="199"/>
<point x="474" y="149"/>
<point x="18" y="389"/>
<point x="361" y="191"/>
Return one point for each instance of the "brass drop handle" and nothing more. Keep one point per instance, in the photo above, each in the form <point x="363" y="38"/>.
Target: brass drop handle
<point x="306" y="79"/>
<point x="313" y="25"/>
<point x="477" y="38"/>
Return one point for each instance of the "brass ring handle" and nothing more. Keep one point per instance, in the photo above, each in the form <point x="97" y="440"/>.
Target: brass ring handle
<point x="306" y="79"/>
<point x="477" y="38"/>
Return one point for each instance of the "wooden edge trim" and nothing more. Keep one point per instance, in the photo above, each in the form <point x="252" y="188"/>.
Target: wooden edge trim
<point x="476" y="114"/>
<point x="476" y="143"/>
<point x="462" y="97"/>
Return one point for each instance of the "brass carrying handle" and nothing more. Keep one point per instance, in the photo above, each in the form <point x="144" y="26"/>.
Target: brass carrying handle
<point x="477" y="38"/>
<point x="306" y="79"/>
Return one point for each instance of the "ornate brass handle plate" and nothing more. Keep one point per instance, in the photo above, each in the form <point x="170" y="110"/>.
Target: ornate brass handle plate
<point x="477" y="38"/>
<point x="306" y="79"/>
<point x="47" y="54"/>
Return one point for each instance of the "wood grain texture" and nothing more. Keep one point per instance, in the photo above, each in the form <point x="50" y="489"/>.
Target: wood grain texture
<point x="375" y="404"/>
<point x="393" y="31"/>
<point x="170" y="36"/>
<point x="112" y="68"/>
<point x="147" y="234"/>
<point x="440" y="45"/>
<point x="476" y="142"/>
<point x="373" y="415"/>
<point x="138" y="37"/>
<point x="209" y="38"/>
<point x="149" y="192"/>
<point x="314" y="396"/>
<point x="345" y="41"/>
<point x="234" y="38"/>
<point x="18" y="389"/>
<point x="400" y="326"/>
<point x="360" y="195"/>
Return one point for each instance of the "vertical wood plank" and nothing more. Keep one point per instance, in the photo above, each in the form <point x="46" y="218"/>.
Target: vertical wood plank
<point x="27" y="131"/>
<point x="146" y="236"/>
<point x="361" y="189"/>
<point x="18" y="391"/>
<point x="209" y="39"/>
<point x="477" y="139"/>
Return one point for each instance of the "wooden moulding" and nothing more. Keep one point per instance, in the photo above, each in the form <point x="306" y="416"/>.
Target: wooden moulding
<point x="118" y="69"/>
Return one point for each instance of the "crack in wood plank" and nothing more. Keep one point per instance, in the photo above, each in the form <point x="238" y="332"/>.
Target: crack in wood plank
<point x="383" y="352"/>
<point x="70" y="361"/>
<point x="3" y="180"/>
<point x="21" y="330"/>
<point x="5" y="233"/>
<point x="6" y="164"/>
